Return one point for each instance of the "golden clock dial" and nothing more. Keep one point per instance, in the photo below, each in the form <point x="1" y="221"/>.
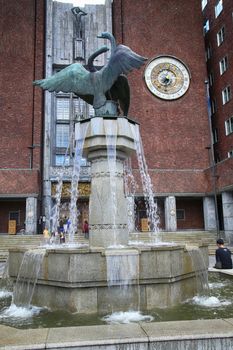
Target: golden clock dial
<point x="167" y="77"/>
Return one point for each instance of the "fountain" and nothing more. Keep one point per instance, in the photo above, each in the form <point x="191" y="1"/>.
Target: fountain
<point x="91" y="279"/>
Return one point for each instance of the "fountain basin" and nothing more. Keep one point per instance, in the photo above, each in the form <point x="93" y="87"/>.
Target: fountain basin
<point x="77" y="279"/>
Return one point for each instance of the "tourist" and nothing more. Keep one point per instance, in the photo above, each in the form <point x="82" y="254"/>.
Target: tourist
<point x="61" y="229"/>
<point x="65" y="225"/>
<point x="223" y="256"/>
<point x="62" y="237"/>
<point x="68" y="224"/>
<point x="46" y="235"/>
<point x="86" y="229"/>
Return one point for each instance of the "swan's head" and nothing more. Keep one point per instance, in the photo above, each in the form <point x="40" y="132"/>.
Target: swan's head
<point x="105" y="35"/>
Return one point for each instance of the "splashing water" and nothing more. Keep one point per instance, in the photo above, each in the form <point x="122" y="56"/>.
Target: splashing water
<point x="55" y="213"/>
<point x="151" y="204"/>
<point x="217" y="285"/>
<point x="27" y="277"/>
<point x="130" y="190"/>
<point x="200" y="269"/>
<point x="127" y="317"/>
<point x="15" y="311"/>
<point x="81" y="134"/>
<point x="5" y="294"/>
<point x="210" y="301"/>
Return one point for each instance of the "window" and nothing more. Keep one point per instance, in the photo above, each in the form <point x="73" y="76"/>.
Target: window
<point x="229" y="126"/>
<point x="83" y="162"/>
<point x="226" y="95"/>
<point x="215" y="135"/>
<point x="203" y="4"/>
<point x="230" y="154"/>
<point x="62" y="108"/>
<point x="220" y="36"/>
<point x="180" y="214"/>
<point x="82" y="110"/>
<point x="62" y="135"/>
<point x="218" y="8"/>
<point x="206" y="26"/>
<point x="67" y="109"/>
<point x="208" y="53"/>
<point x="213" y="106"/>
<point x="61" y="160"/>
<point x="211" y="79"/>
<point x="223" y="65"/>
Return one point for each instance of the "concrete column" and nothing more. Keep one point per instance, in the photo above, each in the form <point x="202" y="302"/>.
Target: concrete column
<point x="108" y="221"/>
<point x="31" y="216"/>
<point x="209" y="213"/>
<point x="170" y="214"/>
<point x="227" y="206"/>
<point x="47" y="204"/>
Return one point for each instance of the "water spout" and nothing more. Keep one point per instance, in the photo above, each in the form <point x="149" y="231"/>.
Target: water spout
<point x="151" y="204"/>
<point x="27" y="277"/>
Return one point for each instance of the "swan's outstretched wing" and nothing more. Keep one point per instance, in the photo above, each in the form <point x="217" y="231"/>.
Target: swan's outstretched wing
<point x="74" y="78"/>
<point x="123" y="60"/>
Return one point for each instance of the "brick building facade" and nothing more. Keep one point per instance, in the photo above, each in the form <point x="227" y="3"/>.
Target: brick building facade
<point x="22" y="57"/>
<point x="218" y="29"/>
<point x="175" y="132"/>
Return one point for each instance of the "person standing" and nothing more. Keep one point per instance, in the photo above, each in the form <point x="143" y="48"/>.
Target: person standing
<point x="46" y="235"/>
<point x="65" y="225"/>
<point x="223" y="256"/>
<point x="86" y="229"/>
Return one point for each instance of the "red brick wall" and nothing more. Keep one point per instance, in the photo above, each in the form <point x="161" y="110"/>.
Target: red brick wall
<point x="22" y="52"/>
<point x="223" y="112"/>
<point x="174" y="133"/>
<point x="193" y="208"/>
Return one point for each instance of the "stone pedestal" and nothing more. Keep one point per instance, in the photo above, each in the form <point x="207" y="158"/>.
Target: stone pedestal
<point x="108" y="142"/>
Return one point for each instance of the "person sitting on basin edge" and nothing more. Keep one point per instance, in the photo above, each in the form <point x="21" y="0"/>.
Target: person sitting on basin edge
<point x="223" y="256"/>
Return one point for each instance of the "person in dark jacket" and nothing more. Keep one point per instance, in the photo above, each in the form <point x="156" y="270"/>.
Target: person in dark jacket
<point x="223" y="256"/>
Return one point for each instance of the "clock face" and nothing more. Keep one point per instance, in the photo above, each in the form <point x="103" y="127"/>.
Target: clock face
<point x="167" y="77"/>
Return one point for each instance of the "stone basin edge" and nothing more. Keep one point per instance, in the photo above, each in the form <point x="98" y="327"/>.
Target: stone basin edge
<point x="107" y="335"/>
<point x="105" y="251"/>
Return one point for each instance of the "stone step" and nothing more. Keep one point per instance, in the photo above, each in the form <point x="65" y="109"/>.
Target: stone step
<point x="13" y="241"/>
<point x="194" y="238"/>
<point x="186" y="237"/>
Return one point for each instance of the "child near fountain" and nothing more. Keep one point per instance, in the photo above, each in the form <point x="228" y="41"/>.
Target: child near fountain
<point x="46" y="235"/>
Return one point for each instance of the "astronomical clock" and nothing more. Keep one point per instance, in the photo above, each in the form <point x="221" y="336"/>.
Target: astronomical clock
<point x="167" y="77"/>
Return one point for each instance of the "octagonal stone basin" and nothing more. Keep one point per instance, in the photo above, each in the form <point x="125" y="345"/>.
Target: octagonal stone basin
<point x="76" y="279"/>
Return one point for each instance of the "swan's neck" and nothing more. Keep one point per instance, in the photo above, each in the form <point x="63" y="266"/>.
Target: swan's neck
<point x="90" y="61"/>
<point x="113" y="43"/>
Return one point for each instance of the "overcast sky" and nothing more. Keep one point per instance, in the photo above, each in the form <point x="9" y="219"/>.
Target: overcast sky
<point x="82" y="2"/>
